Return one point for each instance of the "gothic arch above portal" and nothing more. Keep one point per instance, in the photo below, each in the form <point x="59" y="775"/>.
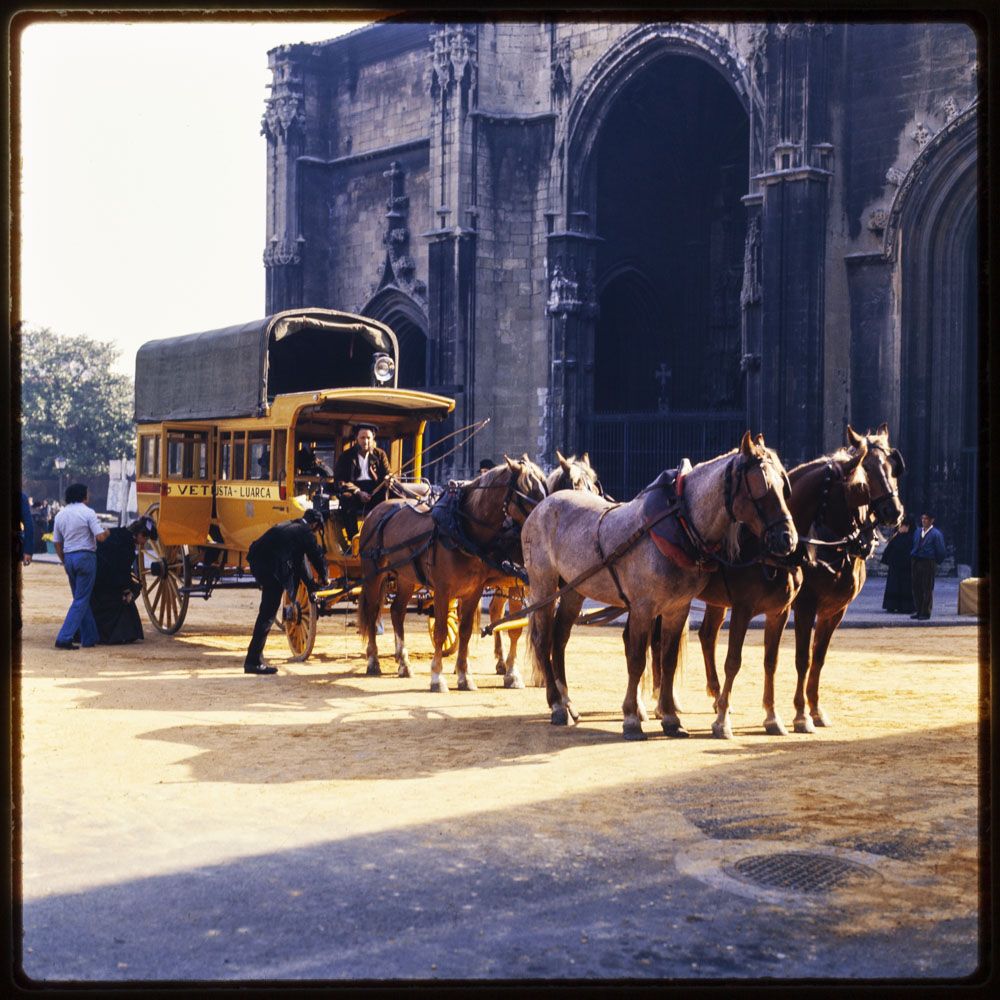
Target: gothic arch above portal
<point x="951" y="154"/>
<point x="633" y="52"/>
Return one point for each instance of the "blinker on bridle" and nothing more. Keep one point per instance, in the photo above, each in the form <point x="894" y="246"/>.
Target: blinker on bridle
<point x="744" y="466"/>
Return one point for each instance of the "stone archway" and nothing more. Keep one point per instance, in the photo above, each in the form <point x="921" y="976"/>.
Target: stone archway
<point x="934" y="237"/>
<point x="657" y="163"/>
<point x="408" y="321"/>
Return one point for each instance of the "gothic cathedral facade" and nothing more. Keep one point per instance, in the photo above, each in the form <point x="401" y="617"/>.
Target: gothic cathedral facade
<point x="638" y="239"/>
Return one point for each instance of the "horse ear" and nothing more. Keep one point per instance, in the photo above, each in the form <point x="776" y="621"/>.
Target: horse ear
<point x="759" y="441"/>
<point x="853" y="437"/>
<point x="585" y="458"/>
<point x="862" y="451"/>
<point x="564" y="462"/>
<point x="883" y="430"/>
<point x="510" y="462"/>
<point x="746" y="445"/>
<point x="560" y="458"/>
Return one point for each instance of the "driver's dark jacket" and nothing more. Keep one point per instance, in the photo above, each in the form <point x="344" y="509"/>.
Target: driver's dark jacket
<point x="347" y="469"/>
<point x="280" y="553"/>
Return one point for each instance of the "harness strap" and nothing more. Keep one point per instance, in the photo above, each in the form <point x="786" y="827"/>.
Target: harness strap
<point x="611" y="568"/>
<point x="612" y="557"/>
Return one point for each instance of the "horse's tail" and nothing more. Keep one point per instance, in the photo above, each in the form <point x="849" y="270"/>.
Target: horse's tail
<point x="369" y="605"/>
<point x="537" y="678"/>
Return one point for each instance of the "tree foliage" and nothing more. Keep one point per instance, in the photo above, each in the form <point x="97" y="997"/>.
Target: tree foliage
<point x="72" y="404"/>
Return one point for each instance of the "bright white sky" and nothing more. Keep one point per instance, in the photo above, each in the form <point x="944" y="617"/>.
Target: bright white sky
<point x="143" y="175"/>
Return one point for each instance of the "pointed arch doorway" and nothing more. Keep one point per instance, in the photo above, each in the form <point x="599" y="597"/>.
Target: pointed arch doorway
<point x="667" y="168"/>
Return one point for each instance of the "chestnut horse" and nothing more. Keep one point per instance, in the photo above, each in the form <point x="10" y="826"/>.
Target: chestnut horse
<point x="767" y="587"/>
<point x="608" y="554"/>
<point x="837" y="576"/>
<point x="570" y="474"/>
<point x="444" y="548"/>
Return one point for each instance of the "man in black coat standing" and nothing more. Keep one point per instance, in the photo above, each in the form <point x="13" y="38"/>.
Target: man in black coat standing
<point x="277" y="561"/>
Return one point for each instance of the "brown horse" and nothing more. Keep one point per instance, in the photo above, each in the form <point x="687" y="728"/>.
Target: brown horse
<point x="766" y="588"/>
<point x="444" y="548"/>
<point x="608" y="553"/>
<point x="569" y="474"/>
<point x="836" y="578"/>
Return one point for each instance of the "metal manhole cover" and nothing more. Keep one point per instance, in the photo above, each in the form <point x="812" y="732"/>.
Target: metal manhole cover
<point x="800" y="872"/>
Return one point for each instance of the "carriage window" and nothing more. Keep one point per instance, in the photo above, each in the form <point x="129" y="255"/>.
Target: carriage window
<point x="239" y="455"/>
<point x="149" y="455"/>
<point x="187" y="454"/>
<point x="259" y="466"/>
<point x="280" y="447"/>
<point x="225" y="453"/>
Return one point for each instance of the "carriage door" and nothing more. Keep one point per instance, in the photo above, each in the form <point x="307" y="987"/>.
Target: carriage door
<point x="186" y="486"/>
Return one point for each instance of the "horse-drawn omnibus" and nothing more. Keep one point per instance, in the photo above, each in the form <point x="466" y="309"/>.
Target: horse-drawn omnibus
<point x="223" y="416"/>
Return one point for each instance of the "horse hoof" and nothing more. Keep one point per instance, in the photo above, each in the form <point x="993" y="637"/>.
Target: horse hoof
<point x="822" y="720"/>
<point x="775" y="728"/>
<point x="632" y="731"/>
<point x="674" y="730"/>
<point x="722" y="732"/>
<point x="467" y="684"/>
<point x="500" y="668"/>
<point x="513" y="681"/>
<point x="560" y="717"/>
<point x="804" y="726"/>
<point x="573" y="713"/>
<point x="404" y="670"/>
<point x="374" y="670"/>
<point x="439" y="684"/>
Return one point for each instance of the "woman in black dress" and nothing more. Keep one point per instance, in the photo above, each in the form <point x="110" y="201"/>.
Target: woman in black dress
<point x="898" y="597"/>
<point x="116" y="586"/>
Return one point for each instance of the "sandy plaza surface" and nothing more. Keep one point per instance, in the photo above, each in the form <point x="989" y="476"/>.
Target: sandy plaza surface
<point x="181" y="820"/>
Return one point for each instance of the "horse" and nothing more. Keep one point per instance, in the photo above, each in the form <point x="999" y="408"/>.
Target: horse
<point x="767" y="587"/>
<point x="569" y="474"/>
<point x="453" y="548"/>
<point x="837" y="576"/>
<point x="634" y="568"/>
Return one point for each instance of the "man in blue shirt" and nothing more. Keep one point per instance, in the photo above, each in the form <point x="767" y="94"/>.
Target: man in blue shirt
<point x="928" y="550"/>
<point x="76" y="532"/>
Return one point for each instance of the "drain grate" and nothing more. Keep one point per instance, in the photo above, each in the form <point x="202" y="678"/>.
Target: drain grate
<point x="800" y="872"/>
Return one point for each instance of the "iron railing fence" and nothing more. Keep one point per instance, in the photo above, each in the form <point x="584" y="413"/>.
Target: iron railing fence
<point x="629" y="450"/>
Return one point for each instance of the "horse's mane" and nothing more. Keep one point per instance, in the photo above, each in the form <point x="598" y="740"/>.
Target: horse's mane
<point x="840" y="455"/>
<point x="530" y="477"/>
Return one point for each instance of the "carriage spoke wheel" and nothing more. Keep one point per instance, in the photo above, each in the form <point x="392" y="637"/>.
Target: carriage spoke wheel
<point x="163" y="571"/>
<point x="299" y="618"/>
<point x="451" y="642"/>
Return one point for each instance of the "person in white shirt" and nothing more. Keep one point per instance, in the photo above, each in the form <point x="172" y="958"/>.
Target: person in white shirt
<point x="359" y="476"/>
<point x="76" y="532"/>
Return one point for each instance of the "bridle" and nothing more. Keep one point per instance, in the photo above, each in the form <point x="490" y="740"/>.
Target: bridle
<point x="521" y="501"/>
<point x="738" y="471"/>
<point x="880" y="504"/>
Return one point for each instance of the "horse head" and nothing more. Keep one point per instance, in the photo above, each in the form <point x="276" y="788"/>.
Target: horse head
<point x="574" y="474"/>
<point x="526" y="488"/>
<point x="757" y="494"/>
<point x="882" y="465"/>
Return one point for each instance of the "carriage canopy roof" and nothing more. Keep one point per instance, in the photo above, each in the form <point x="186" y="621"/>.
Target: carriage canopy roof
<point x="238" y="370"/>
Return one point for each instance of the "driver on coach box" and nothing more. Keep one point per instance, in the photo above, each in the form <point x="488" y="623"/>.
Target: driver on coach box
<point x="358" y="477"/>
<point x="277" y="561"/>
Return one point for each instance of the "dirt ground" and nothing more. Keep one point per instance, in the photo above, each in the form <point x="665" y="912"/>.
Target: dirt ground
<point x="143" y="760"/>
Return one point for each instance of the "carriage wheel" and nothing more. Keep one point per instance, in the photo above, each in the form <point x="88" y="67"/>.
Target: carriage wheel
<point x="299" y="619"/>
<point x="163" y="570"/>
<point x="451" y="643"/>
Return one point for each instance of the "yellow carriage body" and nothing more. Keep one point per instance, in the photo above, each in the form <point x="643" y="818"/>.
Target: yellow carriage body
<point x="222" y="415"/>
